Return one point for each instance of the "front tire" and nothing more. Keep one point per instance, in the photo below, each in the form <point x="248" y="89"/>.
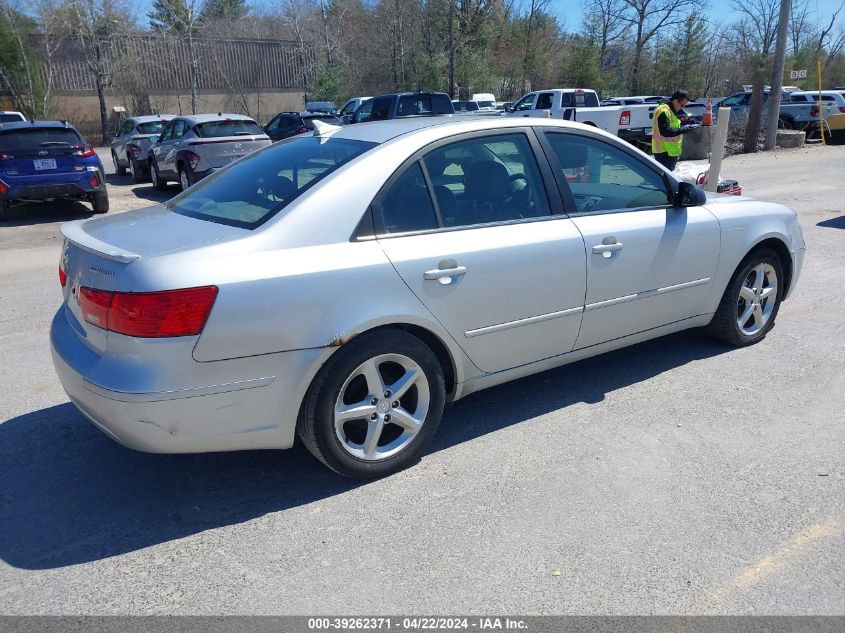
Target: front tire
<point x="118" y="168"/>
<point x="138" y="171"/>
<point x="751" y="301"/>
<point x="374" y="406"/>
<point x="158" y="183"/>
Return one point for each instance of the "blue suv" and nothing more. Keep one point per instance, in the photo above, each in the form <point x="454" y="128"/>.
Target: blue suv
<point x="45" y="160"/>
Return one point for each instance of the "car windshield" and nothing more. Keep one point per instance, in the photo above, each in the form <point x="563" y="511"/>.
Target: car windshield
<point x="238" y="127"/>
<point x="28" y="138"/>
<point x="151" y="127"/>
<point x="251" y="191"/>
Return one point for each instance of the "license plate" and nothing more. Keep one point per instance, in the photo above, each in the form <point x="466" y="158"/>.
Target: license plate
<point x="647" y="131"/>
<point x="44" y="163"/>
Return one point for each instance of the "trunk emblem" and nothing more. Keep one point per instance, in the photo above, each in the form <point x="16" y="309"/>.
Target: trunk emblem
<point x="43" y="152"/>
<point x="102" y="271"/>
<point x="238" y="145"/>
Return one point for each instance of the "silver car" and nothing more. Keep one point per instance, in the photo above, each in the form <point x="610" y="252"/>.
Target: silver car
<point x="190" y="148"/>
<point x="343" y="286"/>
<point x="130" y="146"/>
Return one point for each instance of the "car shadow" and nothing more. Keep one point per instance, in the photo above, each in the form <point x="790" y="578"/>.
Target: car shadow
<point x="148" y="192"/>
<point x="833" y="223"/>
<point x="70" y="495"/>
<point x="46" y="212"/>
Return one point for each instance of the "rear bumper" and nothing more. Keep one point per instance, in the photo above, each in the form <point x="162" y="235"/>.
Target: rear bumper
<point x="250" y="403"/>
<point x="44" y="186"/>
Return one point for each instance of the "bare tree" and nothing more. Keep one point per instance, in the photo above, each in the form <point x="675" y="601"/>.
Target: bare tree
<point x="24" y="98"/>
<point x="605" y="22"/>
<point x="647" y="18"/>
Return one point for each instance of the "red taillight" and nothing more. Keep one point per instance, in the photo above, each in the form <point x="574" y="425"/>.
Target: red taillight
<point x="83" y="151"/>
<point x="6" y="157"/>
<point x="149" y="314"/>
<point x="301" y="129"/>
<point x="135" y="149"/>
<point x="193" y="159"/>
<point x="62" y="277"/>
<point x="3" y="187"/>
<point x="842" y="110"/>
<point x="94" y="181"/>
<point x="625" y="118"/>
<point x="95" y="306"/>
<point x="814" y="111"/>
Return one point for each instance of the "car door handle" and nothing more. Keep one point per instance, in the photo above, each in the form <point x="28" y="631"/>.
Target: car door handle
<point x="444" y="274"/>
<point x="607" y="249"/>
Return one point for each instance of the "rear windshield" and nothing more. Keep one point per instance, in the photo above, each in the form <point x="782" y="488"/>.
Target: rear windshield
<point x="214" y="129"/>
<point x="486" y="104"/>
<point x="251" y="191"/>
<point x="6" y="118"/>
<point x="29" y="138"/>
<point x="151" y="127"/>
<point x="410" y="105"/>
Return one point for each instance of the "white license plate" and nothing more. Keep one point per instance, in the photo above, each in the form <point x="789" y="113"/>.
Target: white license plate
<point x="647" y="131"/>
<point x="44" y="163"/>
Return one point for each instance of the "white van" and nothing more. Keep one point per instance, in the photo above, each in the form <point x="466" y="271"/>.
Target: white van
<point x="485" y="100"/>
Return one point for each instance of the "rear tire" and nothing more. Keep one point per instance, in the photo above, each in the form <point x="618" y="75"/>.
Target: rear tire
<point x="138" y="171"/>
<point x="158" y="183"/>
<point x="405" y="421"/>
<point x="746" y="313"/>
<point x="118" y="169"/>
<point x="786" y="123"/>
<point x="100" y="202"/>
<point x="185" y="180"/>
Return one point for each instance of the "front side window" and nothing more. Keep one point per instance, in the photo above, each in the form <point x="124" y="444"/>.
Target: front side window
<point x="544" y="101"/>
<point x="251" y="191"/>
<point x="525" y="103"/>
<point x="167" y="131"/>
<point x="180" y="128"/>
<point x="381" y="109"/>
<point x="606" y="178"/>
<point x="486" y="179"/>
<point x="363" y="112"/>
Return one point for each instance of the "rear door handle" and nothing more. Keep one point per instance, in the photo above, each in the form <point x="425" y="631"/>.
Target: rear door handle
<point x="606" y="250"/>
<point x="446" y="270"/>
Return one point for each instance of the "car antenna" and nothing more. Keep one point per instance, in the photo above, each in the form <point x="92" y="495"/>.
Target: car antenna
<point x="324" y="130"/>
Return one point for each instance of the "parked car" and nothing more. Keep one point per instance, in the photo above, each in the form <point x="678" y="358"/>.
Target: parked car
<point x="343" y="287"/>
<point x="41" y="161"/>
<point x="11" y="116"/>
<point x="791" y="115"/>
<point x="131" y="145"/>
<point x="325" y="107"/>
<point x="465" y="106"/>
<point x="485" y="100"/>
<point x="403" y="104"/>
<point x="287" y="124"/>
<point x="572" y="104"/>
<point x="190" y="148"/>
<point x="835" y="96"/>
<point x="349" y="108"/>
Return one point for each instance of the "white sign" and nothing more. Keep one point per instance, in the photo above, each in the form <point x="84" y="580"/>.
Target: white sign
<point x="798" y="74"/>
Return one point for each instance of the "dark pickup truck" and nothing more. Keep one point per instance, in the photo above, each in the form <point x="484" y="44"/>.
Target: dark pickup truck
<point x="402" y="104"/>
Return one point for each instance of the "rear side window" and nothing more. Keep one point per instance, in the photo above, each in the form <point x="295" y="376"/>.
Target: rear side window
<point x="579" y="100"/>
<point x="239" y="127"/>
<point x="411" y="105"/>
<point x="151" y="127"/>
<point x="380" y="110"/>
<point x="407" y="206"/>
<point x="29" y="138"/>
<point x="251" y="191"/>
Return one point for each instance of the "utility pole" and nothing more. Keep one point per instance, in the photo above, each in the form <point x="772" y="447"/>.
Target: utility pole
<point x="777" y="76"/>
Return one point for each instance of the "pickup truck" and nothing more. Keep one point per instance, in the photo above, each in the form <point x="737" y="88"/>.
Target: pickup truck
<point x="572" y="104"/>
<point x="792" y="115"/>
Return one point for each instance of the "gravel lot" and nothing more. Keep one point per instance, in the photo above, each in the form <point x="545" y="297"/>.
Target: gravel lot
<point x="674" y="477"/>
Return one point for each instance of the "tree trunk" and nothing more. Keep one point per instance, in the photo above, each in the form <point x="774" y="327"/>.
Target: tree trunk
<point x="635" y="66"/>
<point x="104" y="116"/>
<point x="777" y="77"/>
<point x="452" y="49"/>
<point x="752" y="129"/>
<point x="194" y="72"/>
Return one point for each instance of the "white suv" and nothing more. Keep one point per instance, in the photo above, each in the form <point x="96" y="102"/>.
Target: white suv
<point x="837" y="96"/>
<point x="9" y="117"/>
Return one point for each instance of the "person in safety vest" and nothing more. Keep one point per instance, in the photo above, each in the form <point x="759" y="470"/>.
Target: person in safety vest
<point x="667" y="130"/>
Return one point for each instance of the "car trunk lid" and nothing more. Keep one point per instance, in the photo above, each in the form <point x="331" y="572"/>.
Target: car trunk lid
<point x="219" y="152"/>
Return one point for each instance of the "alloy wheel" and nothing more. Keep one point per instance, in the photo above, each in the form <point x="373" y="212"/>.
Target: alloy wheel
<point x="132" y="167"/>
<point x="757" y="299"/>
<point x="381" y="407"/>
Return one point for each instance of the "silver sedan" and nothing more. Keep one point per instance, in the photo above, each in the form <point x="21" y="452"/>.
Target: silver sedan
<point x="344" y="286"/>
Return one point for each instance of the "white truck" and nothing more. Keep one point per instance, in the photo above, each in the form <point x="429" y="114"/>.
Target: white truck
<point x="572" y="104"/>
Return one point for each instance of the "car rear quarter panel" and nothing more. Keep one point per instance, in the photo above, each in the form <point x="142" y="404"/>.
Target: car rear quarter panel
<point x="745" y="223"/>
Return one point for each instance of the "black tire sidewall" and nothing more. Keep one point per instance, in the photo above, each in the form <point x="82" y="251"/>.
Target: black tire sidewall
<point x="758" y="257"/>
<point x="337" y="370"/>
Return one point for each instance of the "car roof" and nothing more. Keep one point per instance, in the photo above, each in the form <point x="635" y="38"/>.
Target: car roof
<point x="146" y="118"/>
<point x="17" y="125"/>
<point x="383" y="131"/>
<point x="220" y="116"/>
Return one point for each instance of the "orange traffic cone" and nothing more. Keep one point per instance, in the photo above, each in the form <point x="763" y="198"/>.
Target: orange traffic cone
<point x="707" y="119"/>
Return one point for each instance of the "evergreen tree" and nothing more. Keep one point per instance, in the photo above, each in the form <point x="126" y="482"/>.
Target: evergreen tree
<point x="224" y="10"/>
<point x="174" y="16"/>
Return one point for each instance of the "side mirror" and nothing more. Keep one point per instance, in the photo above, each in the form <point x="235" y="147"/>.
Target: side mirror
<point x="154" y="138"/>
<point x="689" y="195"/>
<point x="508" y="108"/>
